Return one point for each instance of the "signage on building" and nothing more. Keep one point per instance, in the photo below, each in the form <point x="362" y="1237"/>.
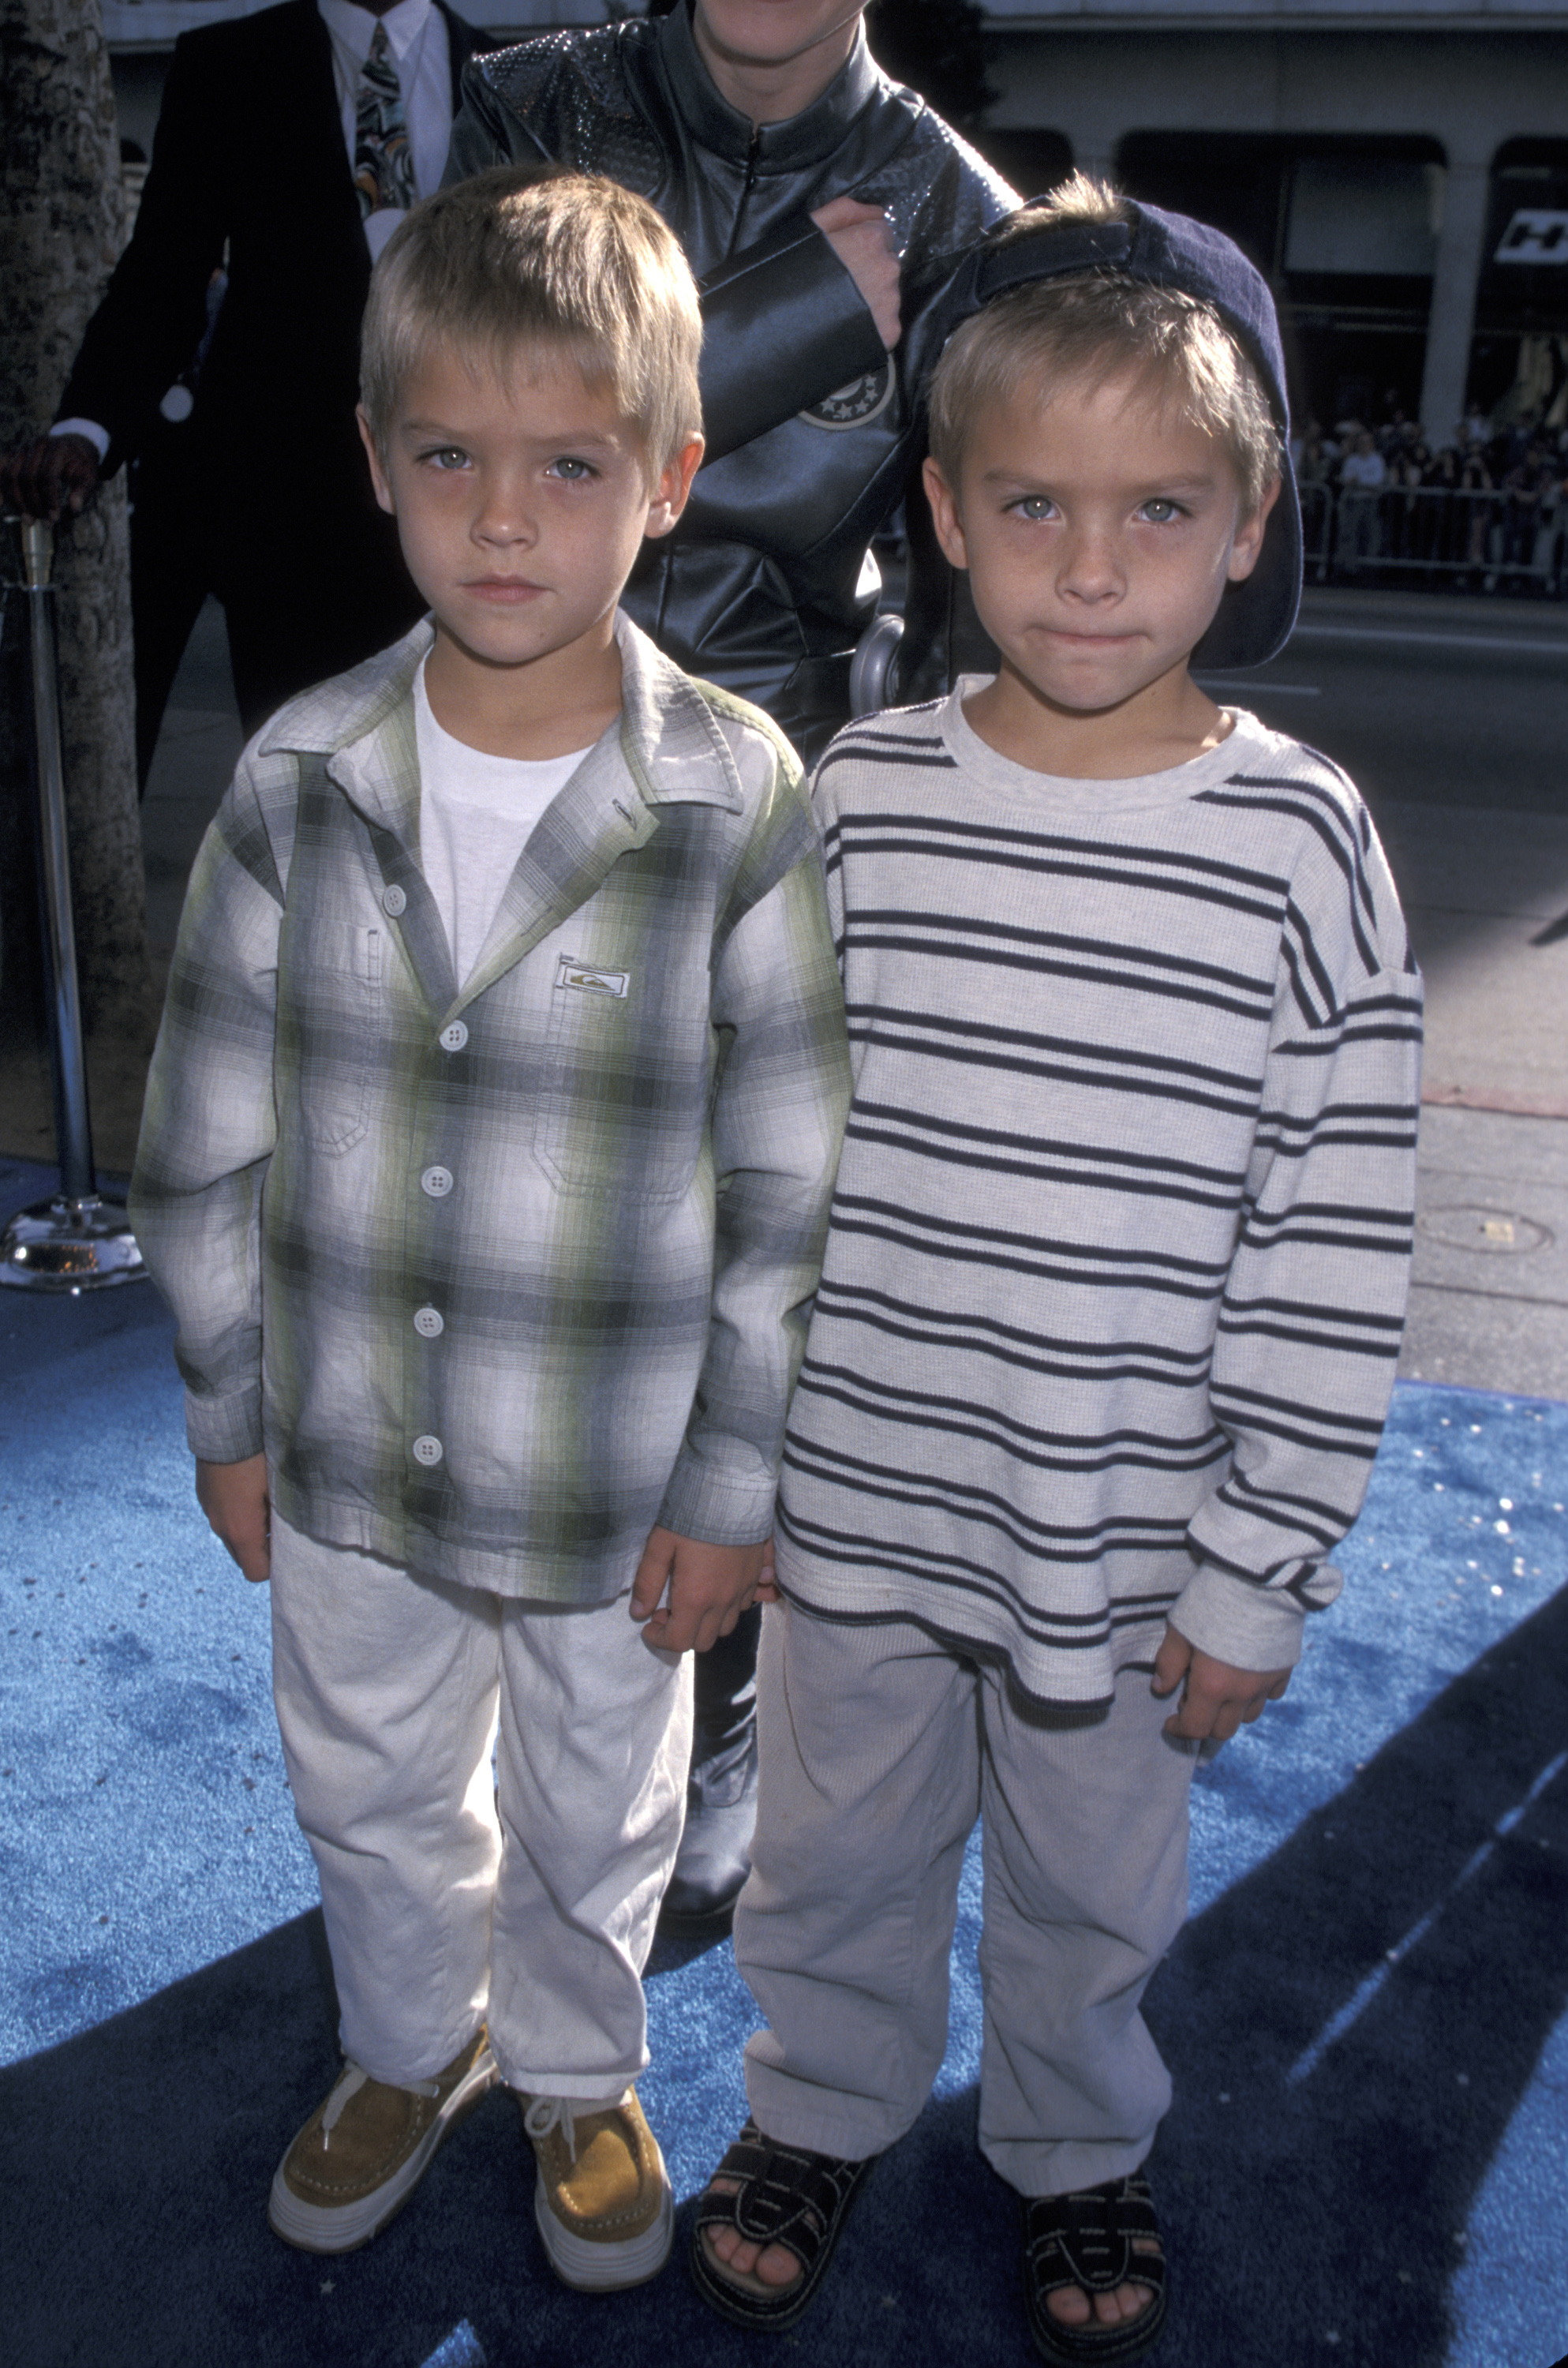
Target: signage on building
<point x="1535" y="235"/>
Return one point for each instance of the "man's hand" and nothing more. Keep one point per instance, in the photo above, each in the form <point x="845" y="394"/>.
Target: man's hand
<point x="43" y="478"/>
<point x="861" y="237"/>
<point x="233" y="1498"/>
<point x="710" y="1587"/>
<point x="1216" y="1697"/>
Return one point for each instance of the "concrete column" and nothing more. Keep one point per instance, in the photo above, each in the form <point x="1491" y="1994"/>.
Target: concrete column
<point x="1459" y="258"/>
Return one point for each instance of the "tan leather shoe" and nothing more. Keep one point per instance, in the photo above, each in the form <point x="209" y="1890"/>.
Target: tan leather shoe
<point x="602" y="2198"/>
<point x="366" y="2148"/>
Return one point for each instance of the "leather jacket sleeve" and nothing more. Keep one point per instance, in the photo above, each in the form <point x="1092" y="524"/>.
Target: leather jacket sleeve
<point x="783" y="325"/>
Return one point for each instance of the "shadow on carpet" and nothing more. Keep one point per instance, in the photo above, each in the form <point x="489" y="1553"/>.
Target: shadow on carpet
<point x="1316" y="2188"/>
<point x="1365" y="2017"/>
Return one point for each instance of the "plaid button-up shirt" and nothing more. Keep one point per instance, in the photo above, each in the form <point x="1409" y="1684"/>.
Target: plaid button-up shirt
<point x="501" y="1275"/>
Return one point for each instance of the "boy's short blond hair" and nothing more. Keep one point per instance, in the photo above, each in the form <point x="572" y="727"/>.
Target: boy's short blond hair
<point x="519" y="257"/>
<point x="1086" y="326"/>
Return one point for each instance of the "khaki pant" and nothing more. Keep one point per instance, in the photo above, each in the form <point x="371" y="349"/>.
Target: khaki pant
<point x="879" y="1749"/>
<point x="450" y="1899"/>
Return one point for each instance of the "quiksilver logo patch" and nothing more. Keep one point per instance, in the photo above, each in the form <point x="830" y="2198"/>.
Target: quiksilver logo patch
<point x="582" y="978"/>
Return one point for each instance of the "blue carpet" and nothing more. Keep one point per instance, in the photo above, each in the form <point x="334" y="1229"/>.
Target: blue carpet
<point x="1365" y="2016"/>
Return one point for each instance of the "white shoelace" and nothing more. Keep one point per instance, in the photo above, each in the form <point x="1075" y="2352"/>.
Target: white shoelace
<point x="547" y="2113"/>
<point x="353" y="2079"/>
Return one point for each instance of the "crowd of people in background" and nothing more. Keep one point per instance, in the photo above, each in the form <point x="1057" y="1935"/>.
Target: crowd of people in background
<point x="1485" y="511"/>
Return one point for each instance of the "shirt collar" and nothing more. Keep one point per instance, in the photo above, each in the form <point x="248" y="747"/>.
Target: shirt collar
<point x="807" y="139"/>
<point x="356" y="28"/>
<point x="671" y="745"/>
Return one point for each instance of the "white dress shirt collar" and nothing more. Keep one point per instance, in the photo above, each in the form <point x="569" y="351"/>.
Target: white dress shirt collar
<point x="356" y="28"/>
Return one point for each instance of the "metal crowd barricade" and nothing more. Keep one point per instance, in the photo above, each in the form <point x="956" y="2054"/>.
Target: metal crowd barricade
<point x="79" y="1239"/>
<point x="1317" y="530"/>
<point x="1488" y="534"/>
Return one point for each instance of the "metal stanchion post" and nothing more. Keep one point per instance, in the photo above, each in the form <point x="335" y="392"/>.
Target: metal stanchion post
<point x="78" y="1240"/>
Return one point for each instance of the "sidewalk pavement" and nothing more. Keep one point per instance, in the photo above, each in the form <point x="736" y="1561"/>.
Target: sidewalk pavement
<point x="1486" y="894"/>
<point x="1485" y="891"/>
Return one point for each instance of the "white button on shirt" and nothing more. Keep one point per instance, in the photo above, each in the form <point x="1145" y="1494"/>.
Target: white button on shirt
<point x="438" y="1182"/>
<point x="453" y="1036"/>
<point x="429" y="1323"/>
<point x="428" y="1450"/>
<point x="393" y="901"/>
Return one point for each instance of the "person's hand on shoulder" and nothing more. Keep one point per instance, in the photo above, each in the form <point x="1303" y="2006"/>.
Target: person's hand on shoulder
<point x="861" y="237"/>
<point x="1216" y="1697"/>
<point x="53" y="473"/>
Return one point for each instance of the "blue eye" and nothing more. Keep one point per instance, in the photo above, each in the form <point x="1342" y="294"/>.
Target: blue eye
<point x="1035" y="505"/>
<point x="571" y="471"/>
<point x="1160" y="510"/>
<point x="446" y="457"/>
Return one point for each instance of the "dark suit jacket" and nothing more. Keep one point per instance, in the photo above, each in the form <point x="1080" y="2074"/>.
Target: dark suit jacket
<point x="249" y="153"/>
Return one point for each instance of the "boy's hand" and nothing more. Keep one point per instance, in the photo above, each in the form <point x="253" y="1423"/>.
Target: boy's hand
<point x="710" y="1587"/>
<point x="233" y="1498"/>
<point x="1216" y="1699"/>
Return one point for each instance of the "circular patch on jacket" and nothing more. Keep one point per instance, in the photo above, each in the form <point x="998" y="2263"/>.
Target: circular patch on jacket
<point x="863" y="398"/>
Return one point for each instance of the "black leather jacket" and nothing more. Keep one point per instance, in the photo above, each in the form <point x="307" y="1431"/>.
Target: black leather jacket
<point x="813" y="429"/>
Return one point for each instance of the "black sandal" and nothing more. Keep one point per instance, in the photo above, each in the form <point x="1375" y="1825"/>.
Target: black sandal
<point x="786" y="2196"/>
<point x="1086" y="2240"/>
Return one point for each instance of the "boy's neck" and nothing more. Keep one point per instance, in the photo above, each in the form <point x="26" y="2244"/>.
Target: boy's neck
<point x="1166" y="724"/>
<point x="549" y="706"/>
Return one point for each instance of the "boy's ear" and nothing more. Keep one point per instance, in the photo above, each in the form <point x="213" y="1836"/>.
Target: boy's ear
<point x="669" y="496"/>
<point x="378" y="474"/>
<point x="945" y="515"/>
<point x="1248" y="542"/>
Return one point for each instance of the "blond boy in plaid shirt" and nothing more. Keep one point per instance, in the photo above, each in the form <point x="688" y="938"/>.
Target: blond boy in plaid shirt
<point x="486" y="1165"/>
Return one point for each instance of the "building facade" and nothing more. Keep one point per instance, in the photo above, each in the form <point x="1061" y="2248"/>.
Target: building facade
<point x="1399" y="171"/>
<point x="1399" y="168"/>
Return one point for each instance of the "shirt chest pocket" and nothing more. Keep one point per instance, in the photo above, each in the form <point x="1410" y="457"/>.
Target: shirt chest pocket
<point x="336" y="987"/>
<point x="622" y="1105"/>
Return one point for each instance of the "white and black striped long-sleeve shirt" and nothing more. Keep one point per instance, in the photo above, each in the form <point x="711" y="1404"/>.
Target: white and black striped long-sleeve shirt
<point x="1121" y="1241"/>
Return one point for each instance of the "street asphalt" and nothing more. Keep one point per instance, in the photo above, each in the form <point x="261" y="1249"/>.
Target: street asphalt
<point x="1451" y="714"/>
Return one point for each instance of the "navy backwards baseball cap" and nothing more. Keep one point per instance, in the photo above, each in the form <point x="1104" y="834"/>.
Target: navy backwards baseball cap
<point x="1172" y="251"/>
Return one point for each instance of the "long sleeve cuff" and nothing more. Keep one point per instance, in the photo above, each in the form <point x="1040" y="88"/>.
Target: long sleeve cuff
<point x="89" y="430"/>
<point x="1251" y="1627"/>
<point x="721" y="1508"/>
<point x="225" y="1429"/>
<point x="783" y="325"/>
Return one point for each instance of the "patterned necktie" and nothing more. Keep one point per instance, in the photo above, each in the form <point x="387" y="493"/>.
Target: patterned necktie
<point x="383" y="162"/>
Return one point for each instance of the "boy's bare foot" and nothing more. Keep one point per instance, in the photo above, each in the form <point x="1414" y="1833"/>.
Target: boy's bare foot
<point x="1081" y="2255"/>
<point x="1074" y="2308"/>
<point x="767" y="2225"/>
<point x="768" y="2267"/>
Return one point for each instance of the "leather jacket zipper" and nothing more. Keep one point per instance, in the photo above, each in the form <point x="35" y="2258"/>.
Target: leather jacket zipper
<point x="749" y="183"/>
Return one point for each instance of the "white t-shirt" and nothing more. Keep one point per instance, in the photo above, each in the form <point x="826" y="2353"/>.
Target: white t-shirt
<point x="476" y="816"/>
